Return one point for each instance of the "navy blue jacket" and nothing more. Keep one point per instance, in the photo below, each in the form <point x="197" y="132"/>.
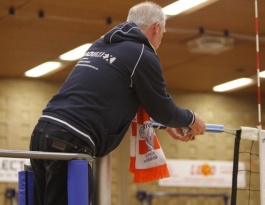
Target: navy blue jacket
<point x="100" y="97"/>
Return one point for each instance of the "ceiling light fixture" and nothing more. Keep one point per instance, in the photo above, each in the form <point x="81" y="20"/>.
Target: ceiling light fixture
<point x="262" y="74"/>
<point x="58" y="63"/>
<point x="185" y="6"/>
<point x="43" y="69"/>
<point x="76" y="53"/>
<point x="241" y="82"/>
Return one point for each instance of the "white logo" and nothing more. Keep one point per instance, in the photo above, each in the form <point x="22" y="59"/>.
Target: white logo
<point x="107" y="57"/>
<point x="146" y="132"/>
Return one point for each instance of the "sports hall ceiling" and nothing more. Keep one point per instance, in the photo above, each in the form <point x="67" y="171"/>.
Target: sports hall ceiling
<point x="35" y="31"/>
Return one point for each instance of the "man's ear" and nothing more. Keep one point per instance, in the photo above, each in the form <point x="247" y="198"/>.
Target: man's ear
<point x="156" y="27"/>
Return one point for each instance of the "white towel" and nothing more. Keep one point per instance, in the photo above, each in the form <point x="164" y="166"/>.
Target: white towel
<point x="249" y="133"/>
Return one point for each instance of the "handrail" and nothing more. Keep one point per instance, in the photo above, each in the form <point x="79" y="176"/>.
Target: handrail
<point x="45" y="155"/>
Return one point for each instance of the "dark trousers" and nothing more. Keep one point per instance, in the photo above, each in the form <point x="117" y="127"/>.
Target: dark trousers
<point x="50" y="176"/>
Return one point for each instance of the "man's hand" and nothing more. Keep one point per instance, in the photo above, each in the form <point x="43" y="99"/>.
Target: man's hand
<point x="180" y="134"/>
<point x="198" y="127"/>
<point x="184" y="134"/>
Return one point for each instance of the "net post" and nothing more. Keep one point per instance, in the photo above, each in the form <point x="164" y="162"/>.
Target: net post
<point x="262" y="166"/>
<point x="102" y="173"/>
<point x="235" y="167"/>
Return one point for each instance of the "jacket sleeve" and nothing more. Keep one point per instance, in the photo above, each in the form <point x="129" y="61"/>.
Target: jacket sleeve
<point x="150" y="88"/>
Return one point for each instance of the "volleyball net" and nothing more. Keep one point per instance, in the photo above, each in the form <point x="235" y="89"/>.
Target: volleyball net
<point x="249" y="147"/>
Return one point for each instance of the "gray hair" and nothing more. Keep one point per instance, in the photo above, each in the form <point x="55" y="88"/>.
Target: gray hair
<point x="146" y="14"/>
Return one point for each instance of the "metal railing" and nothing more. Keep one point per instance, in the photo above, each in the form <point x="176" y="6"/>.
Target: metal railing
<point x="101" y="169"/>
<point x="44" y="155"/>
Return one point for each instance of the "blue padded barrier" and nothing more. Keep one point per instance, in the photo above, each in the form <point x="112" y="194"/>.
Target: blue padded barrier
<point x="78" y="182"/>
<point x="25" y="188"/>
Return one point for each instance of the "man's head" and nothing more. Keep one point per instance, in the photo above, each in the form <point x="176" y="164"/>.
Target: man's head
<point x="151" y="20"/>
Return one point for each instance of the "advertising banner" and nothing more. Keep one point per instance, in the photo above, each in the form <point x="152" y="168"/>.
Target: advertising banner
<point x="203" y="173"/>
<point x="9" y="168"/>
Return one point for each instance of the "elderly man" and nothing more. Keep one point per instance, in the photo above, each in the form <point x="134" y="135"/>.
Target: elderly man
<point x="94" y="107"/>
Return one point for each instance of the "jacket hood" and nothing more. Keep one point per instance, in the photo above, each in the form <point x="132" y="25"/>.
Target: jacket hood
<point x="127" y="31"/>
